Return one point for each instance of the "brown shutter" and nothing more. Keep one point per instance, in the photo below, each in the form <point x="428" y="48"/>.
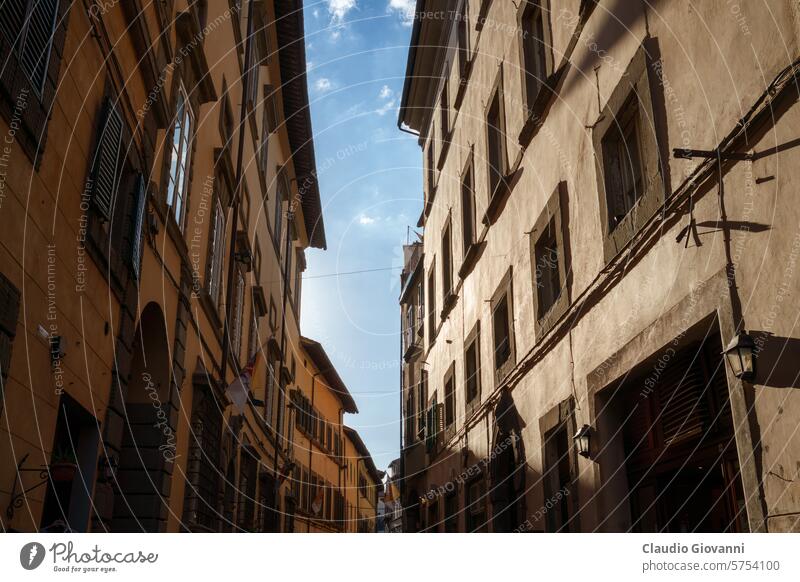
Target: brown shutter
<point x="137" y="223"/>
<point x="105" y="166"/>
<point x="682" y="398"/>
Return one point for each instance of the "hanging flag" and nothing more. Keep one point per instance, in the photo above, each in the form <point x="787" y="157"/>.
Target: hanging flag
<point x="239" y="390"/>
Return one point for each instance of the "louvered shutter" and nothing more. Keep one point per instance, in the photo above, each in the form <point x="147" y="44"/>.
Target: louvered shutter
<point x="429" y="425"/>
<point x="105" y="166"/>
<point x="138" y="222"/>
<point x="35" y="53"/>
<point x="682" y="398"/>
<point x="12" y="18"/>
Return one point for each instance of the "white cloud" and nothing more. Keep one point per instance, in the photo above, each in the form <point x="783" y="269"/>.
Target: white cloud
<point x="405" y="8"/>
<point x="386" y="92"/>
<point x="315" y="13"/>
<point x="323" y="84"/>
<point x="366" y="220"/>
<point x="338" y="9"/>
<point x="386" y="107"/>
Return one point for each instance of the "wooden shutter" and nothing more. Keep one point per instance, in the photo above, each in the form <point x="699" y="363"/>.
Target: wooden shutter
<point x="9" y="312"/>
<point x="439" y="425"/>
<point x="138" y="222"/>
<point x="105" y="166"/>
<point x="12" y="18"/>
<point x="682" y="398"/>
<point x="35" y="53"/>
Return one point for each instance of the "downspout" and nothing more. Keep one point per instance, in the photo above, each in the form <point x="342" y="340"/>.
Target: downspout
<point x="281" y="400"/>
<point x="310" y="444"/>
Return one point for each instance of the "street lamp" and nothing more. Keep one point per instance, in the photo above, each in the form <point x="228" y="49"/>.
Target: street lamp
<point x="581" y="439"/>
<point x="739" y="354"/>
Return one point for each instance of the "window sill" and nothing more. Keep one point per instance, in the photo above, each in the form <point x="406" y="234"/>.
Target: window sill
<point x="444" y="149"/>
<point x="537" y="110"/>
<point x="449" y="302"/>
<point x="429" y="202"/>
<point x="463" y="82"/>
<point x="500" y="195"/>
<point x="545" y="322"/>
<point x="470" y="258"/>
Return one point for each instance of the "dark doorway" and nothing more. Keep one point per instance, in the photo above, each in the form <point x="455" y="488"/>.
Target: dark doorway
<point x="680" y="451"/>
<point x="148" y="442"/>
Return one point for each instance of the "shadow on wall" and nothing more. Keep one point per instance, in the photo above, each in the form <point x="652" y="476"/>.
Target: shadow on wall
<point x="777" y="360"/>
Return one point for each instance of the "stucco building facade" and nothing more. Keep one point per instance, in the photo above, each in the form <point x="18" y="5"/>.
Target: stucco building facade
<point x="580" y="278"/>
<point x="142" y="209"/>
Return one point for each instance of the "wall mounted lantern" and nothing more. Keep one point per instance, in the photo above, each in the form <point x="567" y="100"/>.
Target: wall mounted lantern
<point x="582" y="440"/>
<point x="740" y="356"/>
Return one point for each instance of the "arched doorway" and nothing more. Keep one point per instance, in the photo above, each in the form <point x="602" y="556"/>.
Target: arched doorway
<point x="148" y="442"/>
<point x="507" y="467"/>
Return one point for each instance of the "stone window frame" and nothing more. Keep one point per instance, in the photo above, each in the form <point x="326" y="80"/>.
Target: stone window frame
<point x="450" y="401"/>
<point x="473" y="340"/>
<point x="496" y="192"/>
<point x="433" y="328"/>
<point x="561" y="416"/>
<point x="532" y="101"/>
<point x="445" y="117"/>
<point x="554" y="211"/>
<point x="504" y="289"/>
<point x="448" y="290"/>
<point x="469" y="249"/>
<point x="637" y="83"/>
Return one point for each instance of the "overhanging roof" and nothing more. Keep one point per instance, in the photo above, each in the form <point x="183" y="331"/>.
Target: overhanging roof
<point x="423" y="57"/>
<point x="323" y="363"/>
<point x="353" y="435"/>
<point x="294" y="89"/>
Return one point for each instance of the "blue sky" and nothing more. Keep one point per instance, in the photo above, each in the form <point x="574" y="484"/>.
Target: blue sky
<point x="371" y="188"/>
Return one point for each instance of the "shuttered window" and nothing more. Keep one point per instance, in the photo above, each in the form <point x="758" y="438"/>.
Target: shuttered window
<point x="9" y="311"/>
<point x="28" y="26"/>
<point x="106" y="162"/>
<point x="238" y="307"/>
<point x="217" y="253"/>
<point x="138" y="223"/>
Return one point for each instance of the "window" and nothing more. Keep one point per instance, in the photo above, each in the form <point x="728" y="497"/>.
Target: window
<point x="468" y="206"/>
<point x="447" y="265"/>
<point x="472" y="368"/>
<point x="496" y="142"/>
<point x="269" y="124"/>
<point x="217" y="255"/>
<point x="549" y="262"/>
<point x="450" y="401"/>
<point x="503" y="329"/>
<point x="462" y="38"/>
<point x="548" y="282"/>
<point x="444" y="110"/>
<point x="410" y="417"/>
<point x="626" y="148"/>
<point x="252" y="341"/>
<point x="534" y="50"/>
<point x="179" y="158"/>
<point x="279" y="198"/>
<point x="29" y="27"/>
<point x="248" y="469"/>
<point x="451" y="512"/>
<point x="202" y="474"/>
<point x="622" y="164"/>
<point x="432" y="304"/>
<point x="475" y="506"/>
<point x="422" y="398"/>
<point x="558" y="428"/>
<point x="9" y="312"/>
<point x="431" y="173"/>
<point x="421" y="309"/>
<point x="433" y="517"/>
<point x="238" y="308"/>
<point x="299" y="266"/>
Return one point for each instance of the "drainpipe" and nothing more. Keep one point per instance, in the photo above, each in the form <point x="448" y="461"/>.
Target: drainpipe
<point x="287" y="247"/>
<point x="310" y="444"/>
<point x="236" y="198"/>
